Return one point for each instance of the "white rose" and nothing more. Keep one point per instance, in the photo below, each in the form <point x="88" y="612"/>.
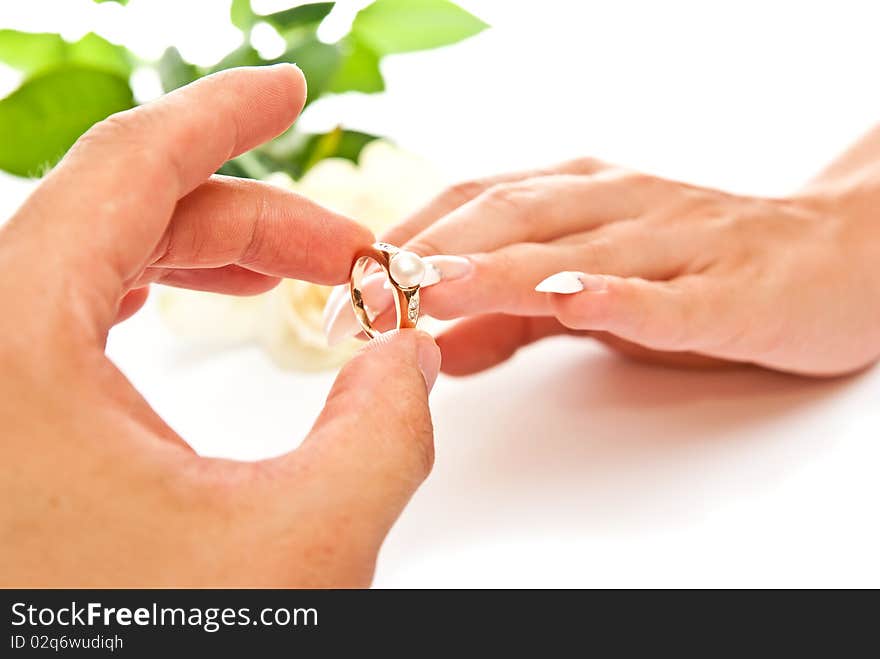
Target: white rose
<point x="384" y="187"/>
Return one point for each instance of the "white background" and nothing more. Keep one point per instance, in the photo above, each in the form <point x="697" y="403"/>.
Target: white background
<point x="569" y="466"/>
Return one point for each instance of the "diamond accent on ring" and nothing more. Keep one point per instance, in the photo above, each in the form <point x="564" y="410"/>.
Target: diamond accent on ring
<point x="413" y="307"/>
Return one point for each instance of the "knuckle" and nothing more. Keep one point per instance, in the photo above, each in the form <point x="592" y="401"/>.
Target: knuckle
<point x="256" y="241"/>
<point x="669" y="323"/>
<point x="513" y="200"/>
<point x="696" y="325"/>
<point x="635" y="179"/>
<point x="125" y="127"/>
<point x="583" y="165"/>
<point x="141" y="135"/>
<point x="597" y="255"/>
<point x="646" y="189"/>
<point x="699" y="203"/>
<point x="130" y="132"/>
<point x="112" y="129"/>
<point x="464" y="191"/>
<point x="508" y="195"/>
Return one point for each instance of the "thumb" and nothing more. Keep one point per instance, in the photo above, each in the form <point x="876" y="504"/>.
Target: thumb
<point x="372" y="445"/>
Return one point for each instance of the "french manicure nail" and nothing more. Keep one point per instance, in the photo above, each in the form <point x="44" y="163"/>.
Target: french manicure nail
<point x="337" y="296"/>
<point x="568" y="282"/>
<point x="376" y="292"/>
<point x="445" y="268"/>
<point x="341" y="325"/>
<point x="340" y="322"/>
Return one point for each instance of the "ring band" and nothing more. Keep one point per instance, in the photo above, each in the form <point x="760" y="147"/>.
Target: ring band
<point x="409" y="269"/>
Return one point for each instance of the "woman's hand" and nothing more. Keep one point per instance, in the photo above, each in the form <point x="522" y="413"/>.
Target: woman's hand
<point x="655" y="268"/>
<point x="95" y="488"/>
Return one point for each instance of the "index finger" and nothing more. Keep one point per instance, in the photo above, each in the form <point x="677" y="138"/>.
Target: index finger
<point x="261" y="227"/>
<point x="111" y="198"/>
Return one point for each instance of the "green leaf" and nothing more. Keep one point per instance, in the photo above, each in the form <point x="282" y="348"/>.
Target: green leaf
<point x="44" y="117"/>
<point x="308" y="16"/>
<point x="359" y="70"/>
<point x="244" y="55"/>
<point x="338" y="143"/>
<point x="402" y="26"/>
<point x="233" y="168"/>
<point x="241" y="15"/>
<point x="174" y="71"/>
<point x="295" y="153"/>
<point x="351" y="144"/>
<point x="318" y="61"/>
<point x="256" y="164"/>
<point x="99" y="53"/>
<point x="118" y="2"/>
<point x="32" y="52"/>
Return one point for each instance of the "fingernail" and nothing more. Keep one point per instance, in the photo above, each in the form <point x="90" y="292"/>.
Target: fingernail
<point x="429" y="360"/>
<point x="376" y="292"/>
<point x="568" y="282"/>
<point x="340" y="322"/>
<point x="334" y="300"/>
<point x="341" y="325"/>
<point x="445" y="268"/>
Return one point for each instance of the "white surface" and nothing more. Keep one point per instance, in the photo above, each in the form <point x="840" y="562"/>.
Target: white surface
<point x="568" y="466"/>
<point x="572" y="467"/>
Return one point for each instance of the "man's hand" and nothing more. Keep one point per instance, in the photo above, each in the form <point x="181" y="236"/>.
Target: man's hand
<point x="96" y="489"/>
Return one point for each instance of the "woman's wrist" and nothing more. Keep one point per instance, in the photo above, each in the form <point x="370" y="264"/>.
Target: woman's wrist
<point x="849" y="187"/>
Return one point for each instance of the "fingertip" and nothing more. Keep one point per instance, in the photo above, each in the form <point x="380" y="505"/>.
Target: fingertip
<point x="289" y="90"/>
<point x="131" y="303"/>
<point x="274" y="96"/>
<point x="333" y="242"/>
<point x="289" y="68"/>
<point x="386" y="385"/>
<point x="430" y="358"/>
<point x="298" y="82"/>
<point x="410" y="346"/>
<point x="404" y="343"/>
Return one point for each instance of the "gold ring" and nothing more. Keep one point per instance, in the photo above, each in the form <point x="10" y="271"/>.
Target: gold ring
<point x="405" y="271"/>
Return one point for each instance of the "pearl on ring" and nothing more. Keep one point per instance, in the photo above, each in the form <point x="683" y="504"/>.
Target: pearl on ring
<point x="407" y="269"/>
